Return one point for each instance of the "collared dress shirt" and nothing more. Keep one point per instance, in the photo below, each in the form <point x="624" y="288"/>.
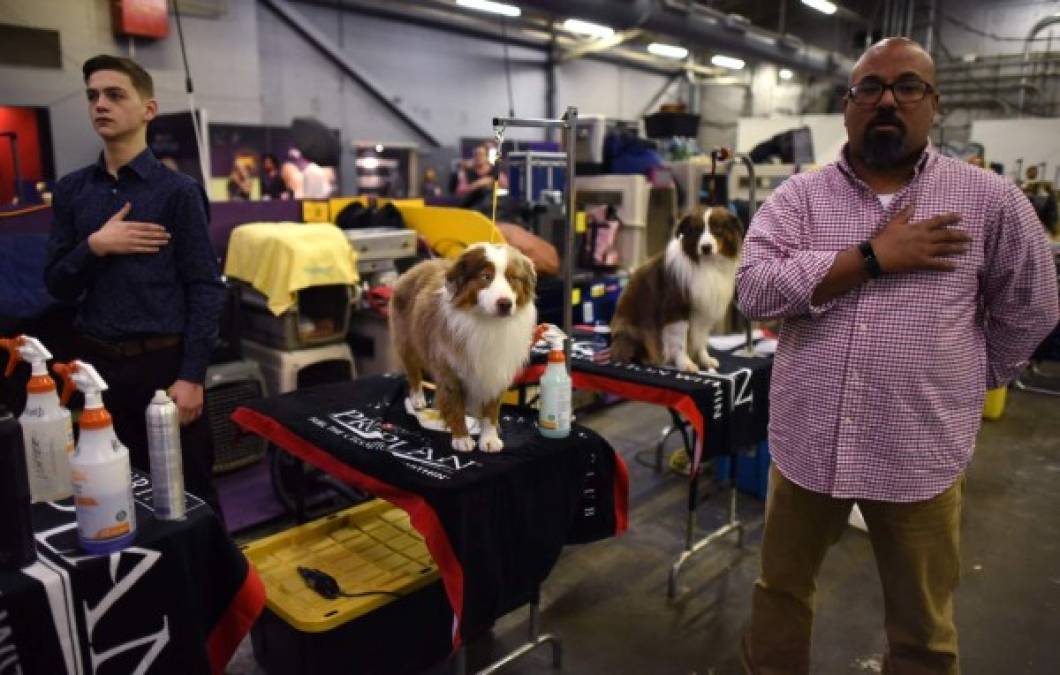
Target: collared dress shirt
<point x="176" y="291"/>
<point x="878" y="394"/>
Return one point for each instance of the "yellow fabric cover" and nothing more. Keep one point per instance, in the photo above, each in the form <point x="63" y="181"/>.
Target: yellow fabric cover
<point x="280" y="259"/>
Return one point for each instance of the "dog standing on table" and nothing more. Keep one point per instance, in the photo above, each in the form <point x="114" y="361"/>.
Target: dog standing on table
<point x="468" y="322"/>
<point x="665" y="315"/>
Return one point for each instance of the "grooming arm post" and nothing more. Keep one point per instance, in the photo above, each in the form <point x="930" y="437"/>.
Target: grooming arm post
<point x="569" y="124"/>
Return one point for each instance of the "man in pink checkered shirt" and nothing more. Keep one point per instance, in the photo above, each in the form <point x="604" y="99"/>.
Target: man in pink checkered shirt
<point x="908" y="283"/>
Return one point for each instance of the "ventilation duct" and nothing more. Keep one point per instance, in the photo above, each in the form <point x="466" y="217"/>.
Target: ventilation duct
<point x="699" y="28"/>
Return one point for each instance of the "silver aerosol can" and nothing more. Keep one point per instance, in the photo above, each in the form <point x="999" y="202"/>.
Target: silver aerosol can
<point x="167" y="466"/>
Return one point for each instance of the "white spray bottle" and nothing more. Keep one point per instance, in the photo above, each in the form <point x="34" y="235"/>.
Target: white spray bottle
<point x="102" y="475"/>
<point x="47" y="430"/>
<point x="555" y="414"/>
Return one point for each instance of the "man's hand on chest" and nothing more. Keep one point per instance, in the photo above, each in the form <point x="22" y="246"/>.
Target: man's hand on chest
<point x="122" y="237"/>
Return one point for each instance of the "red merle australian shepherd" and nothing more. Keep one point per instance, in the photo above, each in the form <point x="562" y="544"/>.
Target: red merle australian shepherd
<point x="468" y="322"/>
<point x="673" y="300"/>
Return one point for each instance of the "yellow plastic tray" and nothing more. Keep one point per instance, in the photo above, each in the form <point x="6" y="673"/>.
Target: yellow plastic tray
<point x="370" y="547"/>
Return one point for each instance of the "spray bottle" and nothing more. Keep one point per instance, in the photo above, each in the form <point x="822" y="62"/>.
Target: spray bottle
<point x="555" y="414"/>
<point x="46" y="427"/>
<point x="167" y="465"/>
<point x="102" y="475"/>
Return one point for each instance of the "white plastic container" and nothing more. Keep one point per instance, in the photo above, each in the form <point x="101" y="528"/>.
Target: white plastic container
<point x="47" y="431"/>
<point x="102" y="475"/>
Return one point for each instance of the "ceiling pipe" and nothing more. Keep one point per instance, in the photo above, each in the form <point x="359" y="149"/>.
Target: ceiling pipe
<point x="1038" y="28"/>
<point x="698" y="27"/>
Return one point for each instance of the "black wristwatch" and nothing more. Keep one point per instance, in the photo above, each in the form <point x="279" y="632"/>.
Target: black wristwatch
<point x="872" y="265"/>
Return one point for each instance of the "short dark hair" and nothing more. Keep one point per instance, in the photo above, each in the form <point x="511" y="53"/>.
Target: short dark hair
<point x="141" y="79"/>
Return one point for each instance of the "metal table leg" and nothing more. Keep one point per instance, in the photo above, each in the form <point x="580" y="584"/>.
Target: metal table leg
<point x="678" y="425"/>
<point x="534" y="640"/>
<point x="691" y="546"/>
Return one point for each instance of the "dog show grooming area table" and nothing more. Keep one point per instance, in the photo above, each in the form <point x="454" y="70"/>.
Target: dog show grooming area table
<point x="728" y="410"/>
<point x="493" y="523"/>
<point x="178" y="600"/>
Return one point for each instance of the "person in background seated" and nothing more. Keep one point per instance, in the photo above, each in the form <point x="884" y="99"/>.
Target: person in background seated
<point x="431" y="187"/>
<point x="239" y="181"/>
<point x="291" y="172"/>
<point x="306" y="179"/>
<point x="475" y="181"/>
<point x="272" y="185"/>
<point x="130" y="244"/>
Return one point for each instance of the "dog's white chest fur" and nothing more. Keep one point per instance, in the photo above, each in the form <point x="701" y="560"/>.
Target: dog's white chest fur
<point x="710" y="284"/>
<point x="491" y="351"/>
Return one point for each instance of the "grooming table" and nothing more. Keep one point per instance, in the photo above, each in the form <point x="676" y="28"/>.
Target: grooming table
<point x="494" y="523"/>
<point x="727" y="410"/>
<point x="178" y="600"/>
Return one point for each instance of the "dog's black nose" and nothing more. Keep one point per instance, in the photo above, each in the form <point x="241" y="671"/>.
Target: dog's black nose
<point x="706" y="249"/>
<point x="504" y="306"/>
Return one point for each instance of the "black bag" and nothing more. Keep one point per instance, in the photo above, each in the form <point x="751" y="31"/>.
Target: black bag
<point x="357" y="216"/>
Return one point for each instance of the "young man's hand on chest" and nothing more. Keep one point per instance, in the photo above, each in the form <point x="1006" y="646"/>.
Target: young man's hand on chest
<point x="122" y="237"/>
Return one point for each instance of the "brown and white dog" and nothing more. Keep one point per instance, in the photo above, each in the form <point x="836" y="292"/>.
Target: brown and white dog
<point x="673" y="300"/>
<point x="468" y="322"/>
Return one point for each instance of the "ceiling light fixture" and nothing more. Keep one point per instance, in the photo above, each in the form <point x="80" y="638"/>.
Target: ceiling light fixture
<point x="588" y="28"/>
<point x="821" y="5"/>
<point x="785" y="74"/>
<point x="668" y="51"/>
<point x="730" y="62"/>
<point x="492" y="7"/>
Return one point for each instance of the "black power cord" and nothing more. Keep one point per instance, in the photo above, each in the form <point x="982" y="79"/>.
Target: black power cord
<point x="326" y="586"/>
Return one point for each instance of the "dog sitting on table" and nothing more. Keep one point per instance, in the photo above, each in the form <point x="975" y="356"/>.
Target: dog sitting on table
<point x="468" y="322"/>
<point x="674" y="299"/>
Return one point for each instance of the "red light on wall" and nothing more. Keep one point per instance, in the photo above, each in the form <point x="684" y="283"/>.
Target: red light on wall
<point x="140" y="18"/>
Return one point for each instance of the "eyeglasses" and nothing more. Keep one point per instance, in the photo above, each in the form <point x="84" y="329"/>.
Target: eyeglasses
<point x="869" y="92"/>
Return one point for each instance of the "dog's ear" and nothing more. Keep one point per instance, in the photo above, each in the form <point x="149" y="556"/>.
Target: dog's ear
<point x="734" y="223"/>
<point x="522" y="276"/>
<point x="457" y="275"/>
<point x="728" y="230"/>
<point x="683" y="226"/>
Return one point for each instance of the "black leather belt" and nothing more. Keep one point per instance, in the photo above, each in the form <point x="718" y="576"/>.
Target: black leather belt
<point x="131" y="347"/>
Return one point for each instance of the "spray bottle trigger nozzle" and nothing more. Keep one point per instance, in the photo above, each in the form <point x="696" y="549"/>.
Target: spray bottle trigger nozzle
<point x="13" y="357"/>
<point x="65" y="373"/>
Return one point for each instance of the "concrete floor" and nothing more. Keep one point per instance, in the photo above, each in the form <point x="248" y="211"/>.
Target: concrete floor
<point x="607" y="601"/>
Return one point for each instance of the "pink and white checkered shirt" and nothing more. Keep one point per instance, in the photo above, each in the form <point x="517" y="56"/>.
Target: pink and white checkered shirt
<point x="878" y="393"/>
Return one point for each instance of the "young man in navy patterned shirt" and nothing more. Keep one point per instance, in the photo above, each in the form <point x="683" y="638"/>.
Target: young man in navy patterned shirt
<point x="130" y="243"/>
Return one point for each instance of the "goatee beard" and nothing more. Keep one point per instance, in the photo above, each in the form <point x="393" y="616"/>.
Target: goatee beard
<point x="884" y="150"/>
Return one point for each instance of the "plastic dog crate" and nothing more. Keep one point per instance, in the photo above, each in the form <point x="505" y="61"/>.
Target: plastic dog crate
<point x="228" y="386"/>
<point x="367" y="549"/>
<point x="369" y="339"/>
<point x="286" y="371"/>
<point x="319" y="317"/>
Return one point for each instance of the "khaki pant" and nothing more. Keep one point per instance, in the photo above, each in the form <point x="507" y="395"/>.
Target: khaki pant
<point x="917" y="554"/>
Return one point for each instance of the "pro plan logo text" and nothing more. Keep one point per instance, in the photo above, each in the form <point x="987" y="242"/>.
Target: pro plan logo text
<point x="415" y="451"/>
